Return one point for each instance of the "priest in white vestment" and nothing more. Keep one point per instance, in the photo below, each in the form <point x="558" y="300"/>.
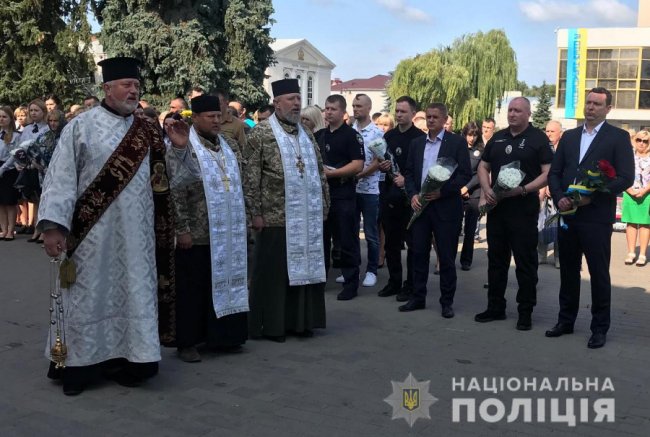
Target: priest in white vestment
<point x="111" y="310"/>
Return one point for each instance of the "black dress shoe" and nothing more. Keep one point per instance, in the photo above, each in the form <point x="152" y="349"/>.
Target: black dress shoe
<point x="559" y="329"/>
<point x="465" y="267"/>
<point x="276" y="338"/>
<point x="72" y="389"/>
<point x="307" y="333"/>
<point x="524" y="323"/>
<point x="447" y="311"/>
<point x="388" y="290"/>
<point x="346" y="295"/>
<point x="411" y="305"/>
<point x="489" y="316"/>
<point x="404" y="294"/>
<point x="597" y="340"/>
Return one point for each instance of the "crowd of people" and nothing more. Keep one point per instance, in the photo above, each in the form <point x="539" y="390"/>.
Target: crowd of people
<point x="231" y="225"/>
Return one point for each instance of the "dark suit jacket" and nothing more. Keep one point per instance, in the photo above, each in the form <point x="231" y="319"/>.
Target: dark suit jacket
<point x="450" y="204"/>
<point x="610" y="143"/>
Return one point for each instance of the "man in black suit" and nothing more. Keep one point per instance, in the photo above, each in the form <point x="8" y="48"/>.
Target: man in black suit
<point x="443" y="215"/>
<point x="589" y="230"/>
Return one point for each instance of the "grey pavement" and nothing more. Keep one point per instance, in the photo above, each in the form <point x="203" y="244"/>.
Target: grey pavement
<point x="335" y="383"/>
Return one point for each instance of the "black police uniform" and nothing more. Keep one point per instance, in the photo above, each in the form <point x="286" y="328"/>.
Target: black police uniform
<point x="396" y="212"/>
<point x="339" y="148"/>
<point x="512" y="224"/>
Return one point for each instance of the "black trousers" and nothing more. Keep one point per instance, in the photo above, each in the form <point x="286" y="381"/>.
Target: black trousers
<point x="446" y="236"/>
<point x="196" y="321"/>
<point x="594" y="240"/>
<point x="343" y="222"/>
<point x="394" y="218"/>
<point x="471" y="221"/>
<point x="512" y="231"/>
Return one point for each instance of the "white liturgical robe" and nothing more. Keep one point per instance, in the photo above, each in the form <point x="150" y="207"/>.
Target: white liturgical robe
<point x="111" y="309"/>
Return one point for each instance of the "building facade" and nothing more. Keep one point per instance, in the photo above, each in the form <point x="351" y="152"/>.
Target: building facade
<point x="374" y="87"/>
<point x="615" y="58"/>
<point x="299" y="59"/>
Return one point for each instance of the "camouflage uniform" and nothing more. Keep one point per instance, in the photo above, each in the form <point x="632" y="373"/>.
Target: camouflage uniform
<point x="191" y="209"/>
<point x="196" y="321"/>
<point x="263" y="178"/>
<point x="276" y="307"/>
<point x="234" y="129"/>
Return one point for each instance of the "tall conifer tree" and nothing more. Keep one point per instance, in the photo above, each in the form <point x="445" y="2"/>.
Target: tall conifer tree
<point x="43" y="49"/>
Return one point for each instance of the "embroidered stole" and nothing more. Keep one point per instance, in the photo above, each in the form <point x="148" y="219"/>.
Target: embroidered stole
<point x="227" y="226"/>
<point x="141" y="138"/>
<point x="303" y="207"/>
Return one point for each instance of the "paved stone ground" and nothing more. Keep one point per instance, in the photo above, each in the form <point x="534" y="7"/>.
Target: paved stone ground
<point x="335" y="383"/>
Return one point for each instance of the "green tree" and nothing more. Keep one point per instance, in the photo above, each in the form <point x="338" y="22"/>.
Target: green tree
<point x="43" y="49"/>
<point x="542" y="114"/>
<point x="469" y="76"/>
<point x="213" y="43"/>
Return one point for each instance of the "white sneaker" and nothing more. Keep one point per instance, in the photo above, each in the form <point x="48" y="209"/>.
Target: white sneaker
<point x="370" y="280"/>
<point x="340" y="279"/>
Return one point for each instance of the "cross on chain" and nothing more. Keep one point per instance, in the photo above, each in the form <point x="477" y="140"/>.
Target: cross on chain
<point x="300" y="165"/>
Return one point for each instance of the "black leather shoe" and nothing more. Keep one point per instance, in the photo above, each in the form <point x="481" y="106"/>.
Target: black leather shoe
<point x="276" y="338"/>
<point x="388" y="290"/>
<point x="346" y="295"/>
<point x="411" y="305"/>
<point x="597" y="340"/>
<point x="404" y="295"/>
<point x="70" y="389"/>
<point x="465" y="267"/>
<point x="447" y="311"/>
<point x="559" y="329"/>
<point x="489" y="316"/>
<point x="524" y="323"/>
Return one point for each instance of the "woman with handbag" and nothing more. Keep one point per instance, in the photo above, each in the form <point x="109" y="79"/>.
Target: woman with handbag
<point x="9" y="138"/>
<point x="636" y="202"/>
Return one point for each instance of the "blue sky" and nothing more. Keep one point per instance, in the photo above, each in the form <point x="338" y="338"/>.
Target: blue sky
<point x="368" y="37"/>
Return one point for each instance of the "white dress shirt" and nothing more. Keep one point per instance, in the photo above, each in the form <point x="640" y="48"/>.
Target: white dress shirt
<point x="587" y="138"/>
<point x="431" y="150"/>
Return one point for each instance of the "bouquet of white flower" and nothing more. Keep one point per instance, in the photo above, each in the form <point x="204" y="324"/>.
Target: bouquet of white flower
<point x="437" y="175"/>
<point x="379" y="148"/>
<point x="510" y="176"/>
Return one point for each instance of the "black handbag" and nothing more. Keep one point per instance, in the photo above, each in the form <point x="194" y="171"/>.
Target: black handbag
<point x="28" y="183"/>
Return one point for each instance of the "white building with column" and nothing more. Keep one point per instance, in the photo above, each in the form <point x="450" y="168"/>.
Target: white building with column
<point x="299" y="59"/>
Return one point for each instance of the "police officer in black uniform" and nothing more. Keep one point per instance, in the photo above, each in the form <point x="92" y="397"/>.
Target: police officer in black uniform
<point x="512" y="224"/>
<point x="394" y="203"/>
<point x="343" y="156"/>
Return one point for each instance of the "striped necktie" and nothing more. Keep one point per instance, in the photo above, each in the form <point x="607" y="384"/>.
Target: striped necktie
<point x="35" y="130"/>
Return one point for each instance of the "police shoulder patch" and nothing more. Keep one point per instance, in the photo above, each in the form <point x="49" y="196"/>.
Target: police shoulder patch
<point x="359" y="139"/>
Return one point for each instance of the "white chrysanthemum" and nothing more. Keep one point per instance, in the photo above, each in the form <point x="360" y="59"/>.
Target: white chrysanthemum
<point x="510" y="178"/>
<point x="378" y="147"/>
<point x="439" y="173"/>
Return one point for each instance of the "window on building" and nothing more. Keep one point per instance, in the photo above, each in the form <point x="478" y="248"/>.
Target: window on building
<point x="310" y="90"/>
<point x="624" y="71"/>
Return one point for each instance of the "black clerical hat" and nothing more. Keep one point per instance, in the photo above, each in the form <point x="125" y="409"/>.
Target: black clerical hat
<point x="285" y="86"/>
<point x="205" y="103"/>
<point x="121" y="67"/>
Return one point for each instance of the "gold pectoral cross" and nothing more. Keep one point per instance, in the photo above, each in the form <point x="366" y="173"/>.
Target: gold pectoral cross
<point x="300" y="165"/>
<point x="226" y="182"/>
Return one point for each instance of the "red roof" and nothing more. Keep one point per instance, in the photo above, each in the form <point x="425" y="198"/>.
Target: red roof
<point x="377" y="82"/>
